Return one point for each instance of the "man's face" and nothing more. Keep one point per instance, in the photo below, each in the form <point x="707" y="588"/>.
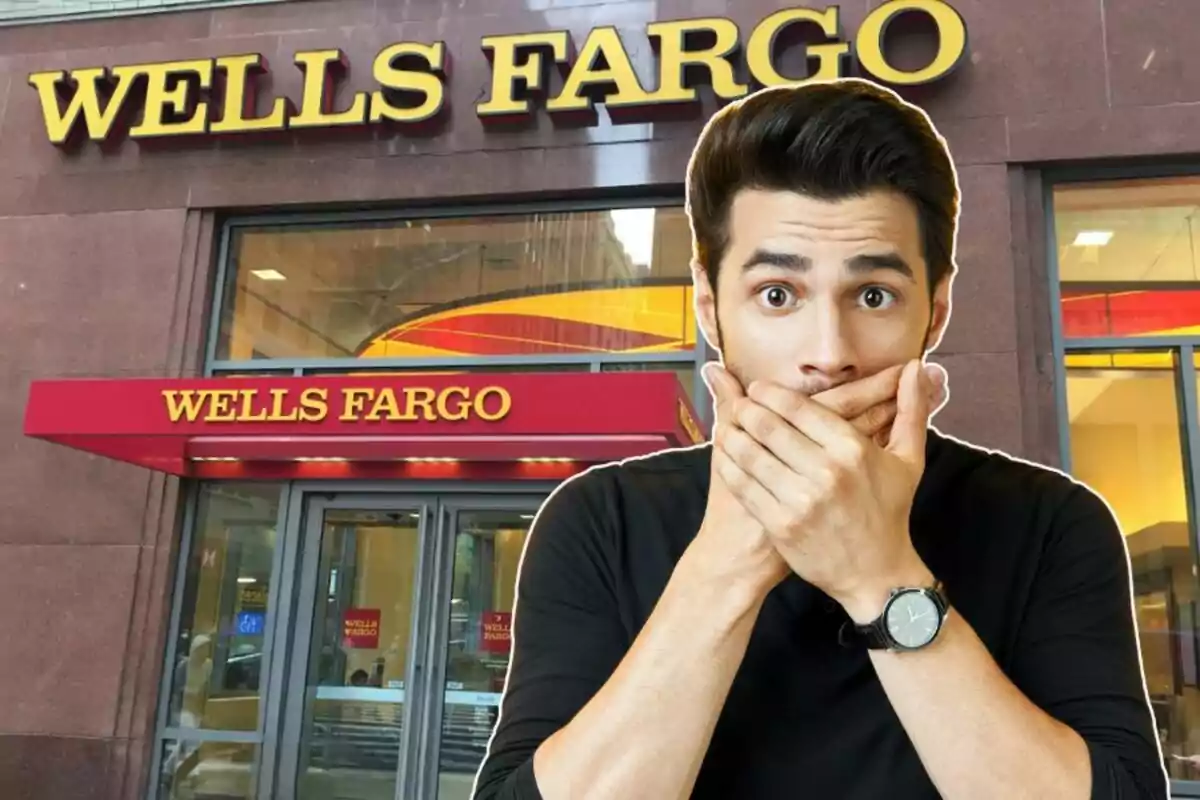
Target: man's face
<point x="814" y="293"/>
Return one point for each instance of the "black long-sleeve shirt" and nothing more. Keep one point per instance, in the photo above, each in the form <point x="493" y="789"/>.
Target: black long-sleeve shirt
<point x="1033" y="561"/>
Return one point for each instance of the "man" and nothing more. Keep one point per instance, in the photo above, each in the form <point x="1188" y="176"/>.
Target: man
<point x="830" y="600"/>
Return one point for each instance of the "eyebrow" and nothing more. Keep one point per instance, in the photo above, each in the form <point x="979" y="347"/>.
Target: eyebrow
<point x="857" y="264"/>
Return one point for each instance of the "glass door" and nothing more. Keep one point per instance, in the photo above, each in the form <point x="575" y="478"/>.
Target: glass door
<point x="480" y="541"/>
<point x="400" y="645"/>
<point x="354" y="681"/>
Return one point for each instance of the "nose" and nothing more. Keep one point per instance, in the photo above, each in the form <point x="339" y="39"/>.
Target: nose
<point x="828" y="358"/>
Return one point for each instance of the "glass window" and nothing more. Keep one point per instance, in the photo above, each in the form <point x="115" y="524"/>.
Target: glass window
<point x="207" y="771"/>
<point x="487" y="553"/>
<point x="575" y="282"/>
<point x="1126" y="444"/>
<point x="216" y="678"/>
<point x="1127" y="257"/>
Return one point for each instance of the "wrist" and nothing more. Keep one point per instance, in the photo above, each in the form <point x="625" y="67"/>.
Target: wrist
<point x="745" y="577"/>
<point x="866" y="602"/>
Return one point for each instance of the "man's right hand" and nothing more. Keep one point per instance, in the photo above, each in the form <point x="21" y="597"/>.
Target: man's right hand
<point x="737" y="546"/>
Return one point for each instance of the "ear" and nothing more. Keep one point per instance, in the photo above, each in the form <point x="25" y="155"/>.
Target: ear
<point x="705" y="300"/>
<point x="941" y="312"/>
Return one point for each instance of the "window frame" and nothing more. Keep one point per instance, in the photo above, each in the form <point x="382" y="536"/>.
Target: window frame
<point x="1183" y="348"/>
<point x="595" y="362"/>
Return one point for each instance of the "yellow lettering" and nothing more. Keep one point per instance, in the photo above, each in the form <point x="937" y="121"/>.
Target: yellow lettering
<point x="172" y="89"/>
<point x="185" y="404"/>
<point x="502" y="51"/>
<point x="97" y="121"/>
<point x="321" y="69"/>
<point x="674" y="60"/>
<point x="586" y="81"/>
<point x="422" y="397"/>
<point x="404" y="83"/>
<point x="385" y="401"/>
<point x="353" y="401"/>
<point x="278" y="397"/>
<point x="241" y="98"/>
<point x="952" y="41"/>
<point x="247" y="413"/>
<point x="462" y="409"/>
<point x="762" y="44"/>
<point x="220" y="405"/>
<point x="501" y="410"/>
<point x="315" y="405"/>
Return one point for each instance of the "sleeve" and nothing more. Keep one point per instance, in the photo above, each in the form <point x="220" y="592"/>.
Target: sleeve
<point x="1077" y="653"/>
<point x="568" y="637"/>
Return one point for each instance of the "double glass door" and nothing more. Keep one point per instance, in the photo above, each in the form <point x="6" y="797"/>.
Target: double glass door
<point x="399" y="644"/>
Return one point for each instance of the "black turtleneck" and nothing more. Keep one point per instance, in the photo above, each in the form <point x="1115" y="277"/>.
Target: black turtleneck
<point x="1033" y="561"/>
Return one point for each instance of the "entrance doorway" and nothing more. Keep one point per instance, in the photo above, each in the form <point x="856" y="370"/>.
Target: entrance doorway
<point x="340" y="645"/>
<point x="401" y="643"/>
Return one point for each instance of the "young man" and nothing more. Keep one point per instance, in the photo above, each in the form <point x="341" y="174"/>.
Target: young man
<point x="831" y="600"/>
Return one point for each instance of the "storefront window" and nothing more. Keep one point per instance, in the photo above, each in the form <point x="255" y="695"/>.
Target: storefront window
<point x="542" y="284"/>
<point x="1127" y="257"/>
<point x="1125" y="444"/>
<point x="1128" y="269"/>
<point x="216" y="680"/>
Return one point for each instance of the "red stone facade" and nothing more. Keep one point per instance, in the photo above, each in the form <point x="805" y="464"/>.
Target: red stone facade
<point x="105" y="264"/>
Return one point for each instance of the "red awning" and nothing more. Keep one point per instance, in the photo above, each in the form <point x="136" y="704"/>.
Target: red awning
<point x="198" y="427"/>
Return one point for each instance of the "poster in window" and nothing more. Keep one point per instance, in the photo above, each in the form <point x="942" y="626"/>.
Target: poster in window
<point x="496" y="633"/>
<point x="360" y="629"/>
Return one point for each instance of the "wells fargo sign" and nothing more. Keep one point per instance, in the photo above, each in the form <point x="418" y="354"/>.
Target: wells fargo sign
<point x="267" y="423"/>
<point x="219" y="96"/>
<point x="348" y="404"/>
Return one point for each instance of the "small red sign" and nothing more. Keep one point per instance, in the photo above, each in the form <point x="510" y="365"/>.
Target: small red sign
<point x="496" y="631"/>
<point x="360" y="629"/>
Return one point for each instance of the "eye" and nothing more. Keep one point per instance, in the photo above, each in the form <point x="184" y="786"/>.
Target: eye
<point x="776" y="296"/>
<point x="877" y="297"/>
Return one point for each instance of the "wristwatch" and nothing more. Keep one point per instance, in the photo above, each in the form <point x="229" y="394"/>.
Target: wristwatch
<point x="911" y="620"/>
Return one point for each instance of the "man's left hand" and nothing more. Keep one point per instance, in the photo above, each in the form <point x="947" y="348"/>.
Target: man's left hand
<point x="835" y="504"/>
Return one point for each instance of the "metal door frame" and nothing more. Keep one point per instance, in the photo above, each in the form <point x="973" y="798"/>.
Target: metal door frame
<point x="438" y="503"/>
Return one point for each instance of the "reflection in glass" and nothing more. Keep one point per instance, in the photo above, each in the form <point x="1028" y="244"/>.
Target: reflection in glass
<point x="514" y="284"/>
<point x="1125" y="444"/>
<point x="1127" y="257"/>
<point x="207" y="771"/>
<point x="487" y="553"/>
<point x="215" y="680"/>
<point x="359" y="658"/>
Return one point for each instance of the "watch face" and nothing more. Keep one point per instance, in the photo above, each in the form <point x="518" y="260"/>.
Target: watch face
<point x="912" y="619"/>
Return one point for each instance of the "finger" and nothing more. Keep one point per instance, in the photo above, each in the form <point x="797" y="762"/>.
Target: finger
<point x="853" y="399"/>
<point x="875" y="419"/>
<point x="723" y="386"/>
<point x="777" y="476"/>
<point x="912" y="416"/>
<point x="830" y="431"/>
<point x="941" y="387"/>
<point x="754" y="497"/>
<point x="770" y="430"/>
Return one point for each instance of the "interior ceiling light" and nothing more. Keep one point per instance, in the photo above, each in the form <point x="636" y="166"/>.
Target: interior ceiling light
<point x="1092" y="238"/>
<point x="268" y="275"/>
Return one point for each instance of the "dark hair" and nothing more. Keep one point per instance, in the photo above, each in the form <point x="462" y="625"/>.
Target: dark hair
<point x="829" y="141"/>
